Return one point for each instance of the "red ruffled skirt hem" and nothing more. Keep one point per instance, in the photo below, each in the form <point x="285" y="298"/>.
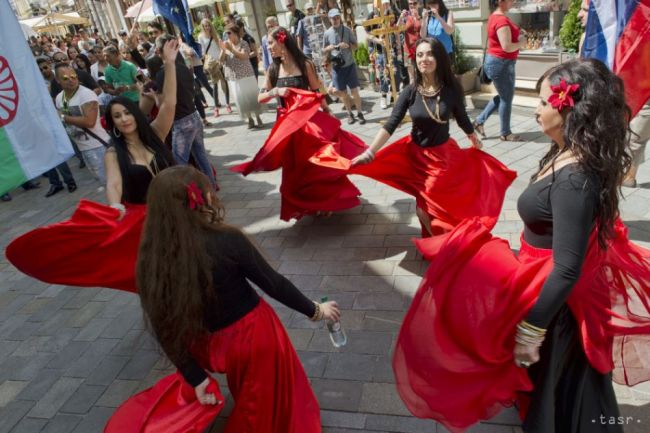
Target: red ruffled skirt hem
<point x="300" y="132"/>
<point x="453" y="360"/>
<point x="448" y="183"/>
<point x="265" y="377"/>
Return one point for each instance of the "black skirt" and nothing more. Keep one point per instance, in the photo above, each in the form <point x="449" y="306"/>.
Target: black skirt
<point x="570" y="396"/>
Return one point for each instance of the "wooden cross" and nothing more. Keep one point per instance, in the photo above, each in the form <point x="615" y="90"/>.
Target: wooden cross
<point x="384" y="32"/>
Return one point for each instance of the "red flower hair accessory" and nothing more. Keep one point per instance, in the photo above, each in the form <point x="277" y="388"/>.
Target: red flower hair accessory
<point x="194" y="195"/>
<point x="281" y="36"/>
<point x="563" y="95"/>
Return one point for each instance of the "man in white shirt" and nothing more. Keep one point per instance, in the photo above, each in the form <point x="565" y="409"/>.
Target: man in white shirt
<point x="79" y="110"/>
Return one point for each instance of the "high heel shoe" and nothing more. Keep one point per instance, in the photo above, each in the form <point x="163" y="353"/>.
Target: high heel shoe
<point x="480" y="129"/>
<point x="510" y="137"/>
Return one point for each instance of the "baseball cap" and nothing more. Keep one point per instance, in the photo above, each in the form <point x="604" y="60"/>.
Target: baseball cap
<point x="309" y="5"/>
<point x="334" y="13"/>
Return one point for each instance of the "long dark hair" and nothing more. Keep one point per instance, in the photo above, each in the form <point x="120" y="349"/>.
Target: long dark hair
<point x="174" y="268"/>
<point x="85" y="61"/>
<point x="146" y="134"/>
<point x="444" y="74"/>
<point x="596" y="131"/>
<point x="443" y="11"/>
<point x="292" y="49"/>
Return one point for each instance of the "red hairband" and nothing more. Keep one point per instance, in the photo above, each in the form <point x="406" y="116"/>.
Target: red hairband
<point x="563" y="95"/>
<point x="194" y="196"/>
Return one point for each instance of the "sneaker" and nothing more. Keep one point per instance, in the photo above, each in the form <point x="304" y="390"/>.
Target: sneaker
<point x="389" y="99"/>
<point x="72" y="187"/>
<point x="5" y="197"/>
<point x="206" y="123"/>
<point x="82" y="164"/>
<point x="382" y="102"/>
<point x="362" y="120"/>
<point x="251" y="123"/>
<point x="351" y="119"/>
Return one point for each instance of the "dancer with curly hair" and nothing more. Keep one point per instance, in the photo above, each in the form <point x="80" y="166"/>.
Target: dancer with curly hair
<point x="552" y="326"/>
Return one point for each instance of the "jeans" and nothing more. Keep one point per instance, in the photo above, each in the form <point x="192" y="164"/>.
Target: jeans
<point x="94" y="159"/>
<point x="203" y="80"/>
<point x="54" y="178"/>
<point x="187" y="139"/>
<point x="502" y="73"/>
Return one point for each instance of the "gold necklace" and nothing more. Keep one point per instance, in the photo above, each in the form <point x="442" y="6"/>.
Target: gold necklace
<point x="429" y="94"/>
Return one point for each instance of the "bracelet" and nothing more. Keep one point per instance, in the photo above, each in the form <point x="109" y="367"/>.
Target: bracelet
<point x="118" y="206"/>
<point x="318" y="313"/>
<point x="369" y="153"/>
<point x="529" y="335"/>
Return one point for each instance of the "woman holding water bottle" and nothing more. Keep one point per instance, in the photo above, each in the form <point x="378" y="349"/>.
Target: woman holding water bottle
<point x="192" y="274"/>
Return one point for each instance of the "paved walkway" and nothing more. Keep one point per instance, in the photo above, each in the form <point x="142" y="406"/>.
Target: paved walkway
<point x="69" y="356"/>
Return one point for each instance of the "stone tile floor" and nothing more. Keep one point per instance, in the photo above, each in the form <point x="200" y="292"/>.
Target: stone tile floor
<point x="69" y="356"/>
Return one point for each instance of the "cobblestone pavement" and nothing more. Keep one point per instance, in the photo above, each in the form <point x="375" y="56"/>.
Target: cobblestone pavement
<point x="69" y="356"/>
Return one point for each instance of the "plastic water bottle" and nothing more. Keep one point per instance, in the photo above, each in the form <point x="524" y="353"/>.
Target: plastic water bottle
<point x="337" y="334"/>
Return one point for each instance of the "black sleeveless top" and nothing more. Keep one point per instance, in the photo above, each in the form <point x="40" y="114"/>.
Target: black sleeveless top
<point x="295" y="81"/>
<point x="136" y="180"/>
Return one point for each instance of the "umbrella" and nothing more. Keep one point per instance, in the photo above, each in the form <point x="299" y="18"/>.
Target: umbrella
<point x="134" y="11"/>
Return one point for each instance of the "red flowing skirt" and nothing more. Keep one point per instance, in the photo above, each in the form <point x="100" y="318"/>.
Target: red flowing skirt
<point x="93" y="248"/>
<point x="448" y="182"/>
<point x="300" y="132"/>
<point x="453" y="360"/>
<point x="265" y="376"/>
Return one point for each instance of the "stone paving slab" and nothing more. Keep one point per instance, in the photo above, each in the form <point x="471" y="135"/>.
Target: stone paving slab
<point x="69" y="356"/>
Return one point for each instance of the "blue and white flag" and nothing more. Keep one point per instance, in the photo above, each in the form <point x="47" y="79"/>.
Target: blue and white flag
<point x="178" y="13"/>
<point x="32" y="137"/>
<point x="618" y="34"/>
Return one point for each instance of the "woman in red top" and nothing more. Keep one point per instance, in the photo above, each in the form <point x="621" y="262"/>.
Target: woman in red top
<point x="412" y="21"/>
<point x="504" y="41"/>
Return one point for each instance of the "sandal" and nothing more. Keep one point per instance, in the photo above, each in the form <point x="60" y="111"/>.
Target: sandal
<point x="478" y="127"/>
<point x="510" y="137"/>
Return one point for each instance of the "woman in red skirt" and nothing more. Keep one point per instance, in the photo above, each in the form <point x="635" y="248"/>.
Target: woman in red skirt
<point x="449" y="183"/>
<point x="551" y="327"/>
<point x="300" y="131"/>
<point x="192" y="277"/>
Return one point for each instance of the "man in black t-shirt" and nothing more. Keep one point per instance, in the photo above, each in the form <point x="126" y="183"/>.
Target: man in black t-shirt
<point x="187" y="132"/>
<point x="296" y="16"/>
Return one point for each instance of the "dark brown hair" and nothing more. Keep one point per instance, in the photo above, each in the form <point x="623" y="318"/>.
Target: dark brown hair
<point x="174" y="269"/>
<point x="292" y="48"/>
<point x="596" y="131"/>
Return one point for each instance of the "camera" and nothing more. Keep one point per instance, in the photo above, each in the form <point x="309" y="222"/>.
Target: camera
<point x="336" y="58"/>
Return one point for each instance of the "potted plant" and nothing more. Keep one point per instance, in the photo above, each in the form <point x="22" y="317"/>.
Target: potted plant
<point x="362" y="59"/>
<point x="463" y="66"/>
<point x="571" y="30"/>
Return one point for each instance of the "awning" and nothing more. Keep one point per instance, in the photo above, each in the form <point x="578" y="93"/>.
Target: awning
<point x="146" y="16"/>
<point x="55" y="19"/>
<point x="139" y="7"/>
<point x="27" y="30"/>
<point x="198" y="3"/>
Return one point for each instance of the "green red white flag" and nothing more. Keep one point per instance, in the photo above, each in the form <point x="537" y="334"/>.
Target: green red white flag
<point x="32" y="137"/>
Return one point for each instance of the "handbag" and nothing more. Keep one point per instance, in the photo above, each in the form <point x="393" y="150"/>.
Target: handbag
<point x="482" y="76"/>
<point x="206" y="52"/>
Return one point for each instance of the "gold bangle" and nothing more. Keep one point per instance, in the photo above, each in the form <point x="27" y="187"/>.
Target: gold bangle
<point x="527" y="325"/>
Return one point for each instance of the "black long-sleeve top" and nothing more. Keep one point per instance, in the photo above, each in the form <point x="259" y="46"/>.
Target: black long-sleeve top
<point x="426" y="132"/>
<point x="236" y="260"/>
<point x="559" y="213"/>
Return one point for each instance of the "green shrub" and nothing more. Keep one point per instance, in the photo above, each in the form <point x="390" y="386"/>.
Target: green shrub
<point x="361" y="56"/>
<point x="571" y="29"/>
<point x="217" y="23"/>
<point x="463" y="62"/>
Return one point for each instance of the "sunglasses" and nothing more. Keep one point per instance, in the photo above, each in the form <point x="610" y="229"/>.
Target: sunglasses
<point x="227" y="33"/>
<point x="44" y="68"/>
<point x="68" y="77"/>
